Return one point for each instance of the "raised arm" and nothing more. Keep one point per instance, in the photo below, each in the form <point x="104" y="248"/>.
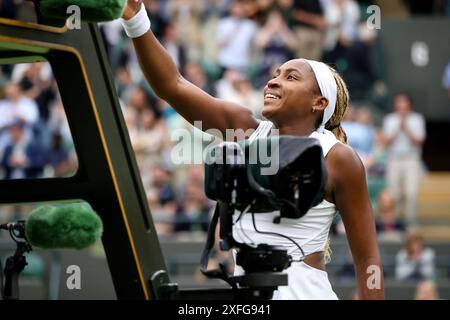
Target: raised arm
<point x="352" y="200"/>
<point x="190" y="101"/>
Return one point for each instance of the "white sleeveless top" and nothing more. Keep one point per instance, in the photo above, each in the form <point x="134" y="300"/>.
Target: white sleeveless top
<point x="310" y="231"/>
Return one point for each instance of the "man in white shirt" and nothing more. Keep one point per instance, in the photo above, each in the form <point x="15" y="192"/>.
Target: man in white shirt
<point x="404" y="134"/>
<point x="15" y="107"/>
<point x="235" y="35"/>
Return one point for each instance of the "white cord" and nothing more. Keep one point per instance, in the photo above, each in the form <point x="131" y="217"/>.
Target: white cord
<point x="138" y="25"/>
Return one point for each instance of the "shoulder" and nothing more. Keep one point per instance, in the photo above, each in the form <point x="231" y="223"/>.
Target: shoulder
<point x="345" y="164"/>
<point x="390" y="117"/>
<point x="417" y="116"/>
<point x="428" y="253"/>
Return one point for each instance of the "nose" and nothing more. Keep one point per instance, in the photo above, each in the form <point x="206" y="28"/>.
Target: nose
<point x="273" y="83"/>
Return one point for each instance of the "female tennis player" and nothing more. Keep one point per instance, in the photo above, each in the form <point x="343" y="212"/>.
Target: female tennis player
<point x="303" y="98"/>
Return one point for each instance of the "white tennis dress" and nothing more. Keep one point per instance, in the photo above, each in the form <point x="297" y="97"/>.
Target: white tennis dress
<point x="310" y="232"/>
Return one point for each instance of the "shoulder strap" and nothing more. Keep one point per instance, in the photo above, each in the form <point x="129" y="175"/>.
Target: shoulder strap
<point x="263" y="130"/>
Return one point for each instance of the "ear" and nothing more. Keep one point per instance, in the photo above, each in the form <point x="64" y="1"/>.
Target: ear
<point x="320" y="103"/>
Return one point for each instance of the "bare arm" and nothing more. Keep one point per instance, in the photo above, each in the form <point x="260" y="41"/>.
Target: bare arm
<point x="310" y="18"/>
<point x="388" y="139"/>
<point x="352" y="201"/>
<point x="190" y="101"/>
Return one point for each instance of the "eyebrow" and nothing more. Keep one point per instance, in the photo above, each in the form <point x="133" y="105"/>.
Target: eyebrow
<point x="278" y="71"/>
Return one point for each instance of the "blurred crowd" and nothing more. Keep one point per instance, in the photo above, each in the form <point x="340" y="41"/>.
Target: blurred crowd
<point x="229" y="48"/>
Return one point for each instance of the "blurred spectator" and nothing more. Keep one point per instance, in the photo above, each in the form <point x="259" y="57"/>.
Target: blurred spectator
<point x="415" y="262"/>
<point x="150" y="140"/>
<point x="112" y="33"/>
<point x="243" y="93"/>
<point x="426" y="290"/>
<point x="388" y="224"/>
<point x="58" y="158"/>
<point x="235" y="35"/>
<point x="285" y="7"/>
<point x="446" y="79"/>
<point x="163" y="214"/>
<point x="16" y="106"/>
<point x="359" y="60"/>
<point x="23" y="158"/>
<point x="196" y="75"/>
<point x="211" y="15"/>
<point x="37" y="83"/>
<point x="141" y="100"/>
<point x="358" y="126"/>
<point x="58" y="122"/>
<point x="124" y="84"/>
<point x="174" y="46"/>
<point x="158" y="19"/>
<point x="194" y="210"/>
<point x="404" y="134"/>
<point x="276" y="42"/>
<point x="310" y="27"/>
<point x="342" y="17"/>
<point x="160" y="190"/>
<point x="224" y="86"/>
<point x="186" y="17"/>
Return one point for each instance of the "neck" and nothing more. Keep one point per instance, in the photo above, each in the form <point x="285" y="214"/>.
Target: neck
<point x="297" y="129"/>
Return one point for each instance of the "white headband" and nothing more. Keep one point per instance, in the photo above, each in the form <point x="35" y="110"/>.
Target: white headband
<point x="328" y="87"/>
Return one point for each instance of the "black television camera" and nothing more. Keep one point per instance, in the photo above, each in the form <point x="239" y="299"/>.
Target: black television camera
<point x="278" y="173"/>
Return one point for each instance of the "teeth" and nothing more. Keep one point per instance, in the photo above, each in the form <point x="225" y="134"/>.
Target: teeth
<point x="271" y="96"/>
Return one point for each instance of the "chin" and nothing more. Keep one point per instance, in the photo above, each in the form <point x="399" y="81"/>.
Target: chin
<point x="269" y="110"/>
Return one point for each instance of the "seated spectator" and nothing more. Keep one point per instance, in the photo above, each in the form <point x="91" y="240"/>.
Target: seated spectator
<point x="161" y="185"/>
<point x="193" y="212"/>
<point x="275" y="42"/>
<point x="196" y="75"/>
<point x="387" y="223"/>
<point x="58" y="157"/>
<point x="174" y="46"/>
<point x="186" y="16"/>
<point x="163" y="214"/>
<point x="426" y="290"/>
<point x="360" y="134"/>
<point x="243" y="93"/>
<point x="415" y="262"/>
<point x="124" y="84"/>
<point x="17" y="107"/>
<point x="22" y="158"/>
<point x="150" y="140"/>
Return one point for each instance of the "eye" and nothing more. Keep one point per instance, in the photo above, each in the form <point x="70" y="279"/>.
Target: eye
<point x="291" y="77"/>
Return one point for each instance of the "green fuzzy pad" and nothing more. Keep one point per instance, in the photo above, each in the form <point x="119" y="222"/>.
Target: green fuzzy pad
<point x="71" y="226"/>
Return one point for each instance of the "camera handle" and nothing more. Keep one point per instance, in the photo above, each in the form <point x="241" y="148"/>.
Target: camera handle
<point x="13" y="267"/>
<point x="259" y="285"/>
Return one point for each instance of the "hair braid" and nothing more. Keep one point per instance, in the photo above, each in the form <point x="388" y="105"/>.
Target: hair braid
<point x="342" y="101"/>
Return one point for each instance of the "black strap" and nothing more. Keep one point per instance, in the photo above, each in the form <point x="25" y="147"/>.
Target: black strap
<point x="214" y="273"/>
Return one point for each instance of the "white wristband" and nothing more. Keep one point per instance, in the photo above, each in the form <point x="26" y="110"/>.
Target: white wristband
<point x="138" y="25"/>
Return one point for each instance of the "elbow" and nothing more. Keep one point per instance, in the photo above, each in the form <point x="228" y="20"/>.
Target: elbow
<point x="168" y="91"/>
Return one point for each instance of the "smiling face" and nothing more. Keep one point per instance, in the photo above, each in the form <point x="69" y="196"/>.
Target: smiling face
<point x="292" y="94"/>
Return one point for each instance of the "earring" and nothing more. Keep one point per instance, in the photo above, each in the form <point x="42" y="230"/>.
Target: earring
<point x="314" y="109"/>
